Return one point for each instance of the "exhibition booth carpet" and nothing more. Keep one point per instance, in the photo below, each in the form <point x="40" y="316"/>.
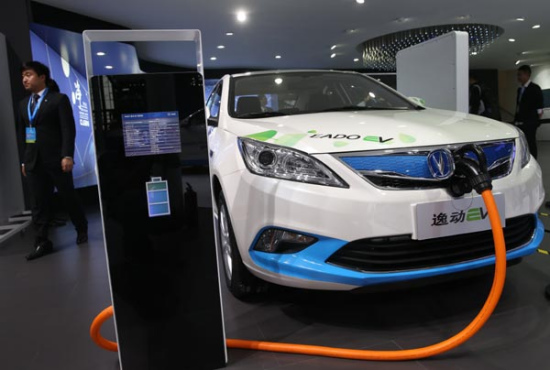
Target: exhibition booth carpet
<point x="47" y="306"/>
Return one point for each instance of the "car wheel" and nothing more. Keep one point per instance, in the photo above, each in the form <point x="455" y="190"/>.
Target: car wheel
<point x="241" y="283"/>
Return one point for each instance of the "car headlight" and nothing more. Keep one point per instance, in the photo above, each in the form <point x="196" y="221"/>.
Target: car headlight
<point x="525" y="155"/>
<point x="287" y="164"/>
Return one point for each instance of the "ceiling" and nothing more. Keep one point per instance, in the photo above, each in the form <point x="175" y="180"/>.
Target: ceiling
<point x="303" y="32"/>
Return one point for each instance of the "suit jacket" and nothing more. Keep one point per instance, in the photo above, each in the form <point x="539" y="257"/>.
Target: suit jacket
<point x="531" y="101"/>
<point x="55" y="131"/>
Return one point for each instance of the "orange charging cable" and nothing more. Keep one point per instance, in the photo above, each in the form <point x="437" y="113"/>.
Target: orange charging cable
<point x="399" y="355"/>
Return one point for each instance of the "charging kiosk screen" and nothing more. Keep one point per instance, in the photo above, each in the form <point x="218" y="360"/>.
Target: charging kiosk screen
<point x="154" y="180"/>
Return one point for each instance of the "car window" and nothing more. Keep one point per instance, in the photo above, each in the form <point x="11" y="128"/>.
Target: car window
<point x="267" y="95"/>
<point x="214" y="101"/>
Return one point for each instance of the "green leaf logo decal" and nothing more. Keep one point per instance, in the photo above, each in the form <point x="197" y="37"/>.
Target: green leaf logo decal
<point x="263" y="136"/>
<point x="375" y="139"/>
<point x="289" y="139"/>
<point x="339" y="144"/>
<point x="312" y="132"/>
<point x="406" y="138"/>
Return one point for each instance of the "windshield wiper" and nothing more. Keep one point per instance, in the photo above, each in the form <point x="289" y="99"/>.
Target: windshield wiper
<point x="262" y="115"/>
<point x="355" y="107"/>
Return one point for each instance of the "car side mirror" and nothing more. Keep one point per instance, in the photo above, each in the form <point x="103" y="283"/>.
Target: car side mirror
<point x="418" y="101"/>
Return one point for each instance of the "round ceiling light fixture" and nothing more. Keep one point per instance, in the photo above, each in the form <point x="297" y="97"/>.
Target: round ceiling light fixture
<point x="379" y="53"/>
<point x="242" y="16"/>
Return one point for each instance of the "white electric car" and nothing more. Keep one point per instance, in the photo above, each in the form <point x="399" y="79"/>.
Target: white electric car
<point x="331" y="180"/>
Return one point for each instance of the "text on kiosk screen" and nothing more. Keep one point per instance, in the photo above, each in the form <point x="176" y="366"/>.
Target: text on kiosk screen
<point x="151" y="133"/>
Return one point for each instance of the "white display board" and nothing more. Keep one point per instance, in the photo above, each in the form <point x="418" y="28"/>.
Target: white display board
<point x="436" y="71"/>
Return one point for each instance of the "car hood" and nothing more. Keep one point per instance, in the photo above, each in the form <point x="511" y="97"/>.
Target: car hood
<point x="331" y="132"/>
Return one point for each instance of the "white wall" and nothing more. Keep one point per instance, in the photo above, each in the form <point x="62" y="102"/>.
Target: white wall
<point x="541" y="75"/>
<point x="436" y="71"/>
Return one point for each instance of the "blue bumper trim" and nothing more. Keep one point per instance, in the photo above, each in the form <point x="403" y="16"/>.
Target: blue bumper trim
<point x="309" y="264"/>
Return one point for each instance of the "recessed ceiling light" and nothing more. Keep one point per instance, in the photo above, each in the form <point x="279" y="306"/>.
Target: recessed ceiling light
<point x="229" y="34"/>
<point x="278" y="80"/>
<point x="241" y="16"/>
<point x="333" y="47"/>
<point x="100" y="53"/>
<point x="213" y="58"/>
<point x="536" y="26"/>
<point x="221" y="47"/>
<point x="108" y="67"/>
<point x="360" y="1"/>
<point x="350" y="31"/>
<point x="356" y="60"/>
<point x="463" y="17"/>
<point x="518" y="62"/>
<point x="474" y="53"/>
<point x="520" y="19"/>
<point x="333" y="55"/>
<point x="512" y="40"/>
<point x="277" y="57"/>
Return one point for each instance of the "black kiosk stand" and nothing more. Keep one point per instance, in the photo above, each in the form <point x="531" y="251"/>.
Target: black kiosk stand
<point x="159" y="238"/>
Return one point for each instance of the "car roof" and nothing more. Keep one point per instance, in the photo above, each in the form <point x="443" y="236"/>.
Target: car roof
<point x="285" y="71"/>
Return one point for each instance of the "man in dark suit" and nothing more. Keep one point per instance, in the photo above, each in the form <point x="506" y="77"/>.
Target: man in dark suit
<point x="530" y="103"/>
<point x="47" y="135"/>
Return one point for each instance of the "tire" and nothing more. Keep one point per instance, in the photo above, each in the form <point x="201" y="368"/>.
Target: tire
<point x="240" y="282"/>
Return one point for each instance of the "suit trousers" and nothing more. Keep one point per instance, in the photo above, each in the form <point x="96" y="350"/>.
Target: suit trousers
<point x="42" y="180"/>
<point x="530" y="131"/>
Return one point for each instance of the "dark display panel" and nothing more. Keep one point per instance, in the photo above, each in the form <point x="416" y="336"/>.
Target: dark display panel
<point x="158" y="222"/>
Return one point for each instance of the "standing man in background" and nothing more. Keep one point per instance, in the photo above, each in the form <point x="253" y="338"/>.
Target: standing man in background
<point x="477" y="105"/>
<point x="47" y="136"/>
<point x="529" y="107"/>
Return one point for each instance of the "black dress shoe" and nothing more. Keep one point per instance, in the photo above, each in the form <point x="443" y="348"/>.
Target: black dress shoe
<point x="81" y="236"/>
<point x="41" y="248"/>
<point x="547" y="204"/>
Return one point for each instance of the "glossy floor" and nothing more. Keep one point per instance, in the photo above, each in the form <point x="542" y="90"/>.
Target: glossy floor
<point x="47" y="305"/>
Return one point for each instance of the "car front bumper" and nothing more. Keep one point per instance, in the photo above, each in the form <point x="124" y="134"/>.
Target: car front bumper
<point x="337" y="216"/>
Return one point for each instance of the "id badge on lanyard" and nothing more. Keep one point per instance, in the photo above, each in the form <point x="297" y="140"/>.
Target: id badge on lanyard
<point x="30" y="132"/>
<point x="30" y="135"/>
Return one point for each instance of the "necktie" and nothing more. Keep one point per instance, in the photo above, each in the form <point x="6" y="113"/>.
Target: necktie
<point x="521" y="91"/>
<point x="35" y="99"/>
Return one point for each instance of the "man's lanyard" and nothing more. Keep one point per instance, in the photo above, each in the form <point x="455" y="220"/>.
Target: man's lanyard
<point x="32" y="114"/>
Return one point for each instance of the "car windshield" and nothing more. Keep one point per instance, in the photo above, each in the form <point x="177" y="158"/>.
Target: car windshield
<point x="278" y="94"/>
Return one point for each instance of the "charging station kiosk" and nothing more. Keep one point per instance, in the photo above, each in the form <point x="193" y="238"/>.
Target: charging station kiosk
<point x="159" y="240"/>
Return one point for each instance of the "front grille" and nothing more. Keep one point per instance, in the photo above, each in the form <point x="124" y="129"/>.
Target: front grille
<point x="408" y="183"/>
<point x="401" y="253"/>
<point x="409" y="170"/>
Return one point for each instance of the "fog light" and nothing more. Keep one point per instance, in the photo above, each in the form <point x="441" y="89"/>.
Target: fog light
<point x="282" y="241"/>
